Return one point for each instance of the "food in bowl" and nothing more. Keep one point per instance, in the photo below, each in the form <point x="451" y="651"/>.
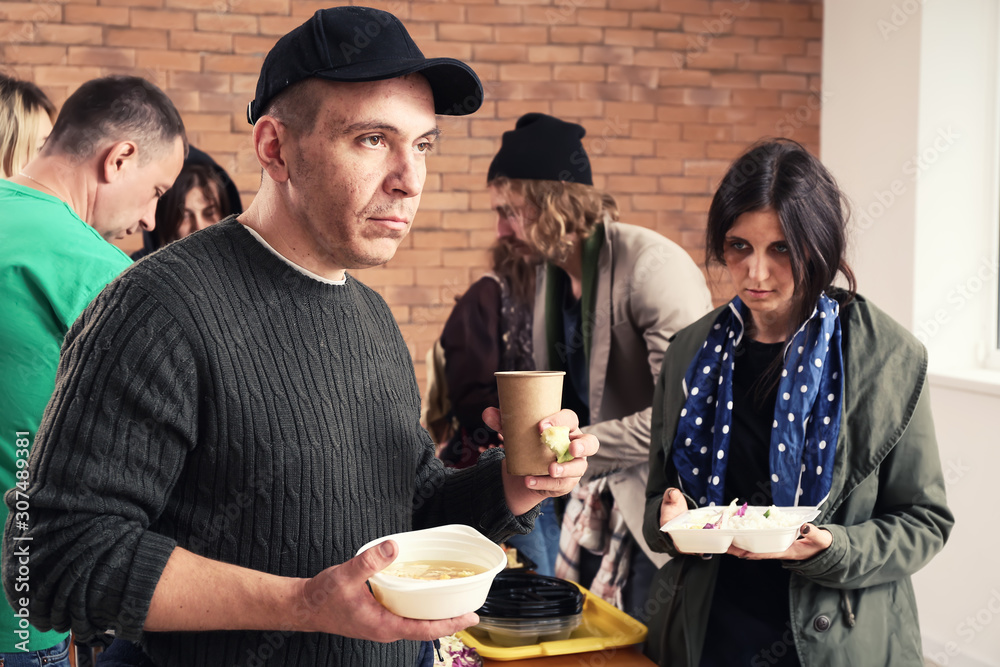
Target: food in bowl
<point x="744" y="517"/>
<point x="757" y="529"/>
<point x="433" y="570"/>
<point x="438" y="598"/>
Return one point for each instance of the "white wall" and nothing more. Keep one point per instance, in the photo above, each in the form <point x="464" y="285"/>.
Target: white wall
<point x="910" y="89"/>
<point x="868" y="131"/>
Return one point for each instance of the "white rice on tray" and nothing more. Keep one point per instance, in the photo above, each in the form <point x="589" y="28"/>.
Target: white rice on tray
<point x="753" y="518"/>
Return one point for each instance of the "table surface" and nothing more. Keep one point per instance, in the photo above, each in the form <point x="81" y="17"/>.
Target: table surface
<point x="620" y="657"/>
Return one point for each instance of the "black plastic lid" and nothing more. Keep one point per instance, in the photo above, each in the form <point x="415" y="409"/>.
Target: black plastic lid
<point x="526" y="595"/>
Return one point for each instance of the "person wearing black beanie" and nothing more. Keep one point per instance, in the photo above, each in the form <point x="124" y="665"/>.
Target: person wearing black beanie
<point x="608" y="298"/>
<point x="521" y="155"/>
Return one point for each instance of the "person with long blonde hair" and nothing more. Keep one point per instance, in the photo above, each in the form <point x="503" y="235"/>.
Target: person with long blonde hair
<point x="26" y="117"/>
<point x="608" y="297"/>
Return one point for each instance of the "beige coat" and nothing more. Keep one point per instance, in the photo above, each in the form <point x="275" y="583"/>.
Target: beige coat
<point x="648" y="289"/>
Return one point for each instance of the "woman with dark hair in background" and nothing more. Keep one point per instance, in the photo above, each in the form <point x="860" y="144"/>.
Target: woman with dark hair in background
<point x="202" y="195"/>
<point x="26" y="117"/>
<point x="796" y="392"/>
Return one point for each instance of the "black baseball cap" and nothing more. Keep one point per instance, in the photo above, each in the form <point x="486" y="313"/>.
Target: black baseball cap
<point x="357" y="44"/>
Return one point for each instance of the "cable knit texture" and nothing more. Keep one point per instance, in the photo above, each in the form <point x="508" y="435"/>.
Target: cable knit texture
<point x="214" y="398"/>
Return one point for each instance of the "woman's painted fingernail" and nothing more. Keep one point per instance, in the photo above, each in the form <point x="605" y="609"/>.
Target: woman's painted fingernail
<point x="805" y="529"/>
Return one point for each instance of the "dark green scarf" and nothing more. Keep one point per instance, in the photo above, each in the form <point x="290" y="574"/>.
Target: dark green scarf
<point x="553" y="306"/>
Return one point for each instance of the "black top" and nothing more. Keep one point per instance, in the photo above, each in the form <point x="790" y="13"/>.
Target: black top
<point x="576" y="387"/>
<point x="749" y="620"/>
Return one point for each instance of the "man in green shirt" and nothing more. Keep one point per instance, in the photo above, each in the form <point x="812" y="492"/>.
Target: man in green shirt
<point x="117" y="145"/>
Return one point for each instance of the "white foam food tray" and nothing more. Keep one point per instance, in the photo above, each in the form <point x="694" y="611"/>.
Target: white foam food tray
<point x="690" y="535"/>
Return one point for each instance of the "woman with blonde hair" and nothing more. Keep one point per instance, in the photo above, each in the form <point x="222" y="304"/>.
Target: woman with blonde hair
<point x="26" y="117"/>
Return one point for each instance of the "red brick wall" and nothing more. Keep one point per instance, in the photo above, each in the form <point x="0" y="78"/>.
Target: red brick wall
<point x="670" y="92"/>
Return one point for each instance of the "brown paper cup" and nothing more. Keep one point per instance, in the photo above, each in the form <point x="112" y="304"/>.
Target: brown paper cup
<point x="526" y="398"/>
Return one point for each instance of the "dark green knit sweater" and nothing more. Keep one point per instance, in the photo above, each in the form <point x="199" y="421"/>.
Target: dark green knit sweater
<point x="215" y="398"/>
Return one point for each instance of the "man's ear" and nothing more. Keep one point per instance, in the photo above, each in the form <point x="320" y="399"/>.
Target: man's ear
<point x="118" y="158"/>
<point x="270" y="137"/>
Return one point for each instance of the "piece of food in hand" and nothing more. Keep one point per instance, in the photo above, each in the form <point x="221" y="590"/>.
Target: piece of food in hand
<point x="556" y="438"/>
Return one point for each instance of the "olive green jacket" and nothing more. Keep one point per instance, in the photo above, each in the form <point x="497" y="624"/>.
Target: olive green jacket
<point x="853" y="603"/>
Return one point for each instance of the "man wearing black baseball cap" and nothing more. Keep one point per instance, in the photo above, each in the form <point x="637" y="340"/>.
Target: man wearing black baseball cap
<point x="609" y="296"/>
<point x="236" y="416"/>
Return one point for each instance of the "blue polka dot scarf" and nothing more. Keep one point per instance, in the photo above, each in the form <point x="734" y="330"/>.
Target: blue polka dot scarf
<point x="806" y="413"/>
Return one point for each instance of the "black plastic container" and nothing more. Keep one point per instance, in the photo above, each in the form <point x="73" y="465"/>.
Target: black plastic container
<point x="523" y="608"/>
<point x="527" y="595"/>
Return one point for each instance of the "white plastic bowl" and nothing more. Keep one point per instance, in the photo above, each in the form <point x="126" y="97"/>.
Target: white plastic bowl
<point x="717" y="541"/>
<point x="433" y="600"/>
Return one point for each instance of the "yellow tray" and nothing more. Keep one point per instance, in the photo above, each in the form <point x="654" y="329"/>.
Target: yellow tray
<point x="602" y="626"/>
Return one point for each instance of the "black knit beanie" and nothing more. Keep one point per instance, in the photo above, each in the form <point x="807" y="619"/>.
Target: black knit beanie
<point x="542" y="148"/>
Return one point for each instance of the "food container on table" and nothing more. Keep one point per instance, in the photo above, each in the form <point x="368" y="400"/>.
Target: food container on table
<point x="526" y="608"/>
<point x="602" y="627"/>
<point x="522" y="632"/>
<point x="690" y="536"/>
<point x="431" y="600"/>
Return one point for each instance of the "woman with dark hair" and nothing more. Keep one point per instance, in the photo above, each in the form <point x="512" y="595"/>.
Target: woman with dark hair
<point x="202" y="195"/>
<point x="795" y="393"/>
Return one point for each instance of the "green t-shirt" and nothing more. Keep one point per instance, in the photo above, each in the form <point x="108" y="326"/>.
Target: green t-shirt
<point x="52" y="265"/>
